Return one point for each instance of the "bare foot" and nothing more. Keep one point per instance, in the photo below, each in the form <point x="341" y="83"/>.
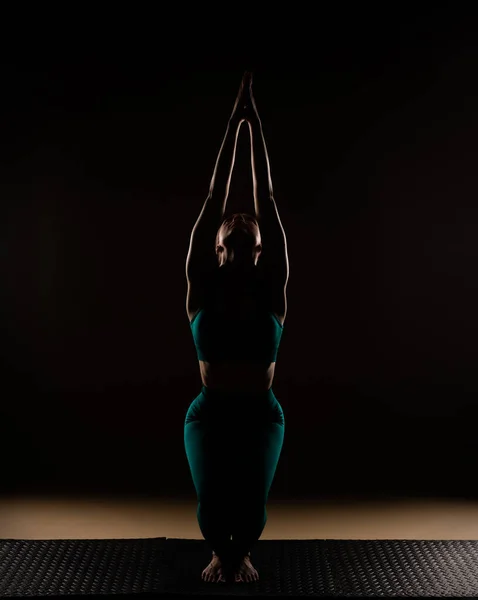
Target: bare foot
<point x="245" y="572"/>
<point x="213" y="573"/>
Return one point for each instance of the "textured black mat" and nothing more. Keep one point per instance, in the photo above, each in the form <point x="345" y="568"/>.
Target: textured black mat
<point x="293" y="567"/>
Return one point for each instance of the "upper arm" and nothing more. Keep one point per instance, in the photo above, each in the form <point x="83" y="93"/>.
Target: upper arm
<point x="274" y="257"/>
<point x="201" y="259"/>
<point x="201" y="255"/>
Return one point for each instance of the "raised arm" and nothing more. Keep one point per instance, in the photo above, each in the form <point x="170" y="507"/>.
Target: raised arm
<point x="201" y="256"/>
<point x="214" y="207"/>
<point x="215" y="204"/>
<point x="274" y="244"/>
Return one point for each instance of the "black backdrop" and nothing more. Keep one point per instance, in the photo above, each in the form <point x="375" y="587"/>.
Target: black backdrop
<point x="106" y="156"/>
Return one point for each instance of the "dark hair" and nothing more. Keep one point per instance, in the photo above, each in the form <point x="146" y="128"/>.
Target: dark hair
<point x="242" y="221"/>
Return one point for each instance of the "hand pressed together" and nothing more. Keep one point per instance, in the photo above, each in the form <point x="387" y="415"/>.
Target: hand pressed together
<point x="245" y="108"/>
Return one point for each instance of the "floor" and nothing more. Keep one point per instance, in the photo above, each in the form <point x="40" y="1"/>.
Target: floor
<point x="107" y="517"/>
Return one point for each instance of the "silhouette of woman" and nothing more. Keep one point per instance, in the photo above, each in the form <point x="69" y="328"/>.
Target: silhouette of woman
<point x="237" y="271"/>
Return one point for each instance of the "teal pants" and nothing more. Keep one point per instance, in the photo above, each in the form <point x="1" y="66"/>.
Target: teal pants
<point x="233" y="443"/>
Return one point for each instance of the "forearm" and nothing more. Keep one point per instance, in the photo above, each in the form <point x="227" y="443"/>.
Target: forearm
<point x="261" y="174"/>
<point x="221" y="178"/>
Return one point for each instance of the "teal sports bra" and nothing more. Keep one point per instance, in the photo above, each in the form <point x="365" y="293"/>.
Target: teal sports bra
<point x="217" y="339"/>
<point x="222" y="337"/>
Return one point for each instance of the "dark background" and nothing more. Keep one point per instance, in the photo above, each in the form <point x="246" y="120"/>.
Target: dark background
<point x="108" y="143"/>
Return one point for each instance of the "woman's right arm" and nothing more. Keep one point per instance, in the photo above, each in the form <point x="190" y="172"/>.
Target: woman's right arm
<point x="201" y="253"/>
<point x="215" y="204"/>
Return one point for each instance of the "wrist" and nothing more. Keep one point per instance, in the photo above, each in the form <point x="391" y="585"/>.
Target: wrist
<point x="254" y="120"/>
<point x="235" y="121"/>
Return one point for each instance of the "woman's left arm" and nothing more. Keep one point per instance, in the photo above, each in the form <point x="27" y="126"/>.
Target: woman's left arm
<point x="274" y="254"/>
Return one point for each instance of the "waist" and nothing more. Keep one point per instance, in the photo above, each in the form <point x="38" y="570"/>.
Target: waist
<point x="235" y="376"/>
<point x="230" y="397"/>
<point x="245" y="410"/>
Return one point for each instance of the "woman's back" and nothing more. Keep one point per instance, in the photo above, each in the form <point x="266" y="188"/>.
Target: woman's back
<point x="235" y="331"/>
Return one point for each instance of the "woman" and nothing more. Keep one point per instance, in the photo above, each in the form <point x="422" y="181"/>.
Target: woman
<point x="237" y="271"/>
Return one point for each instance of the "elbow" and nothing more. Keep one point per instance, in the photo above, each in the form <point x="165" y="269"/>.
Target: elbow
<point x="266" y="210"/>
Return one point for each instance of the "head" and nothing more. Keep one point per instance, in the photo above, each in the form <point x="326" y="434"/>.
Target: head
<point x="238" y="241"/>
